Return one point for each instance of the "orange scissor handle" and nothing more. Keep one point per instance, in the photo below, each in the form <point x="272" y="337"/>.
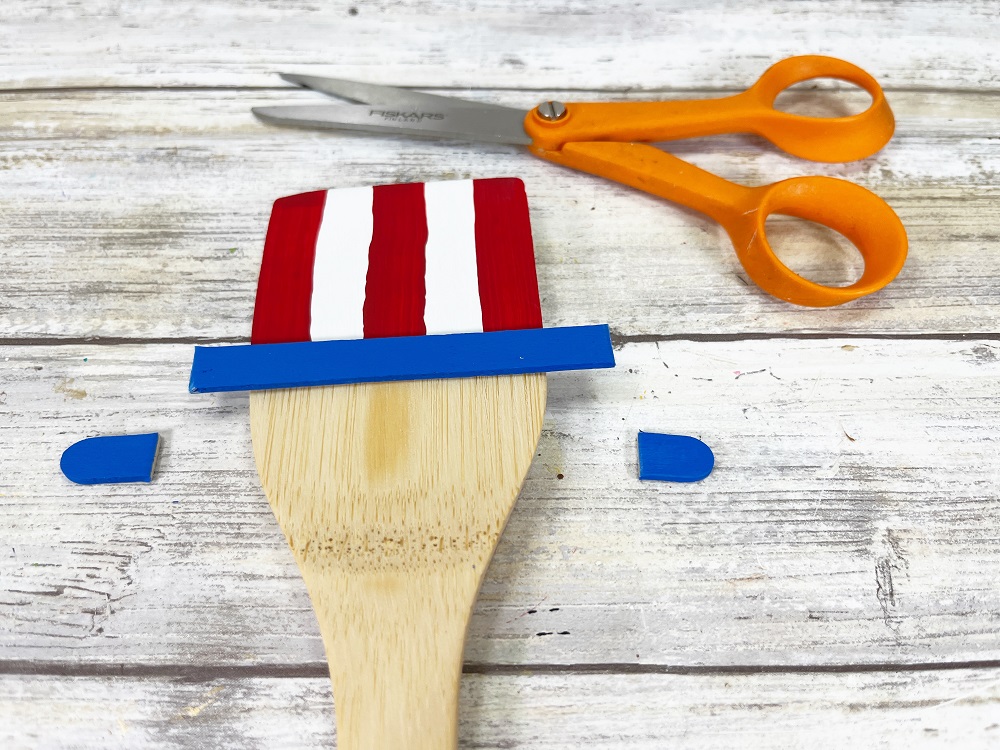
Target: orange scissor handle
<point x="832" y="139"/>
<point x="858" y="214"/>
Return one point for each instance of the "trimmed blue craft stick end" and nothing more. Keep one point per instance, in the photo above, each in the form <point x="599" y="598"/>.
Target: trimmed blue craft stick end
<point x="111" y="459"/>
<point x="673" y="458"/>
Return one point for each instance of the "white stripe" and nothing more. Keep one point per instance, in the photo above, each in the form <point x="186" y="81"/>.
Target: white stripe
<point x="341" y="265"/>
<point x="452" y="277"/>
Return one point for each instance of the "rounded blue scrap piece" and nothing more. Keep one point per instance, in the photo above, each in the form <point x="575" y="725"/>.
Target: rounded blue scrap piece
<point x="673" y="458"/>
<point x="111" y="459"/>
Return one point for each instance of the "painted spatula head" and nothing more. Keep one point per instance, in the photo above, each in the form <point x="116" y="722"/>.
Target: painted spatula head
<point x="393" y="496"/>
<point x="398" y="260"/>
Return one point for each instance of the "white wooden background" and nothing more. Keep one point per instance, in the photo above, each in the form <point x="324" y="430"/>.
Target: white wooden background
<point x="832" y="584"/>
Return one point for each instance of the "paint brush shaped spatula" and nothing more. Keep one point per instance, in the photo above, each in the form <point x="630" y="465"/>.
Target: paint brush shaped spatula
<point x="393" y="495"/>
<point x="397" y="363"/>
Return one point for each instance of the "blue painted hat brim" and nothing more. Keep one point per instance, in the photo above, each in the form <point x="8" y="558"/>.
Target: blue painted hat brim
<point x="250" y="367"/>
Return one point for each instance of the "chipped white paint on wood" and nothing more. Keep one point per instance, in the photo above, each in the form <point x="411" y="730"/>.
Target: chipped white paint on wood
<point x="551" y="43"/>
<point x="563" y="711"/>
<point x="853" y="515"/>
<point x="160" y="212"/>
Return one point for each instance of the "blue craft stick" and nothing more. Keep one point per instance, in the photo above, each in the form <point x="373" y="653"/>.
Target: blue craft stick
<point x="250" y="367"/>
<point x="110" y="459"/>
<point x="673" y="458"/>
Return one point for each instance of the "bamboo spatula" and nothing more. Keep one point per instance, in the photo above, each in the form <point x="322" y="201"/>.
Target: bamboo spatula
<point x="393" y="495"/>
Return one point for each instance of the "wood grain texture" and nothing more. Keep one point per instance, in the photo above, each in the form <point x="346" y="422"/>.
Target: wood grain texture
<point x="554" y="43"/>
<point x="851" y="516"/>
<point x="562" y="711"/>
<point x="393" y="497"/>
<point x="158" y="202"/>
<point x="848" y="530"/>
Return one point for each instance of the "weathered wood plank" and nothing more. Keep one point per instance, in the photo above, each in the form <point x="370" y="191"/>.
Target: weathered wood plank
<point x="142" y="214"/>
<point x="852" y="516"/>
<point x="953" y="708"/>
<point x="555" y="43"/>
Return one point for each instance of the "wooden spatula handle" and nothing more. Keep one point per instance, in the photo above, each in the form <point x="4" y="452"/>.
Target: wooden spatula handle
<point x="393" y="497"/>
<point x="394" y="642"/>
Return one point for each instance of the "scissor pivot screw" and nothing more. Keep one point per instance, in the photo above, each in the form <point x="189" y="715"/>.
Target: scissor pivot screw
<point x="552" y="111"/>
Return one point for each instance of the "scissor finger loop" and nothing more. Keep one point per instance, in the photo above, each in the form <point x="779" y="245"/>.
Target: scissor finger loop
<point x="829" y="139"/>
<point x="856" y="213"/>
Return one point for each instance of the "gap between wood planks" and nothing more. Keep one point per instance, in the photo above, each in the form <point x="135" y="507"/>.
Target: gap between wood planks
<point x="721" y="91"/>
<point x="618" y="340"/>
<point x="319" y="670"/>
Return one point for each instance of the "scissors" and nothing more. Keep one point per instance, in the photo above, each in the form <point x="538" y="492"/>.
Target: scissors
<point x="611" y="140"/>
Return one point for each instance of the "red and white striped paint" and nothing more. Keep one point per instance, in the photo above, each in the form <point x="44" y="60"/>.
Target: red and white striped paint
<point x="398" y="260"/>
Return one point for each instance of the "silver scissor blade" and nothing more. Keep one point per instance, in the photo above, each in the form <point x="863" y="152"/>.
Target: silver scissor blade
<point x="389" y="96"/>
<point x="466" y="123"/>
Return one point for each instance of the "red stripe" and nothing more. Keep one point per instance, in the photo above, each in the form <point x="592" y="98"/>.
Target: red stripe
<point x="394" y="290"/>
<point x="505" y="255"/>
<point x="284" y="288"/>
